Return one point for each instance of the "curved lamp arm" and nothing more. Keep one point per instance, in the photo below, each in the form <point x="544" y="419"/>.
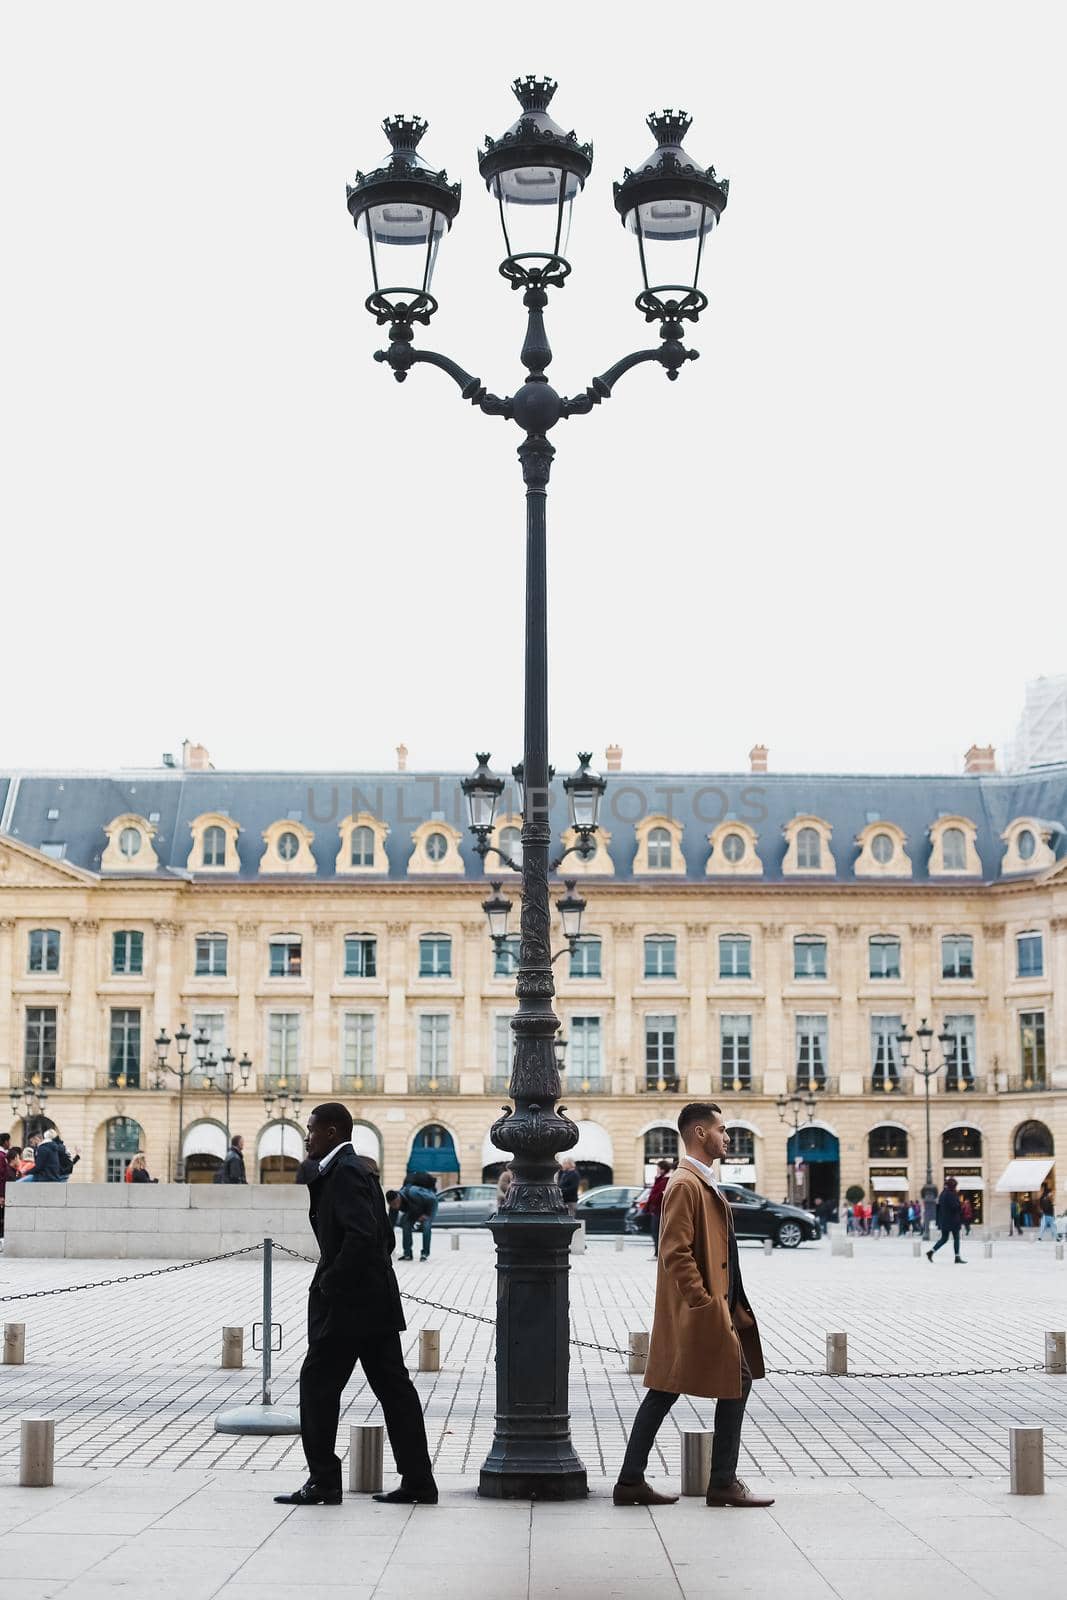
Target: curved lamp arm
<point x="401" y="356"/>
<point x="672" y="355"/>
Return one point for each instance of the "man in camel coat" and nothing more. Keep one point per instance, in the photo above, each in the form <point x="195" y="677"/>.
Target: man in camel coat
<point x="704" y="1336"/>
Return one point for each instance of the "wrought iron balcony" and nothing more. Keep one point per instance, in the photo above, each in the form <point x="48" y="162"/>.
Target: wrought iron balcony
<point x="885" y="1083"/>
<point x="1028" y="1085"/>
<point x="573" y="1085"/>
<point x="279" y="1083"/>
<point x="357" y="1083"/>
<point x="739" y="1084"/>
<point x="134" y="1079"/>
<point x="498" y="1084"/>
<point x="815" y="1083"/>
<point x="659" y="1085"/>
<point x="429" y="1084"/>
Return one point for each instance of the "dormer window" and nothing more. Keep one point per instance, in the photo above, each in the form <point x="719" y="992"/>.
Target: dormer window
<point x="129" y="845"/>
<point x="659" y="850"/>
<point x="809" y="850"/>
<point x="954" y="850"/>
<point x="511" y="844"/>
<point x="362" y="847"/>
<point x="659" y="845"/>
<point x="882" y="848"/>
<point x="1025" y="844"/>
<point x="733" y="847"/>
<point x="130" y="842"/>
<point x="288" y="846"/>
<point x="214" y="852"/>
<point x="286" y="955"/>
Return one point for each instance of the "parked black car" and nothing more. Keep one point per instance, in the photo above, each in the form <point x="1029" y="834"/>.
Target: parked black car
<point x="607" y="1210"/>
<point x="754" y="1218"/>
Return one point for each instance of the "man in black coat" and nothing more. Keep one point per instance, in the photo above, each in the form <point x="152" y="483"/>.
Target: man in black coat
<point x="949" y="1218"/>
<point x="354" y="1314"/>
<point x="233" y="1168"/>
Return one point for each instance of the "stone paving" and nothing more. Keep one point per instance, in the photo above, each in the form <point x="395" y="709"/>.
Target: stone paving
<point x="131" y="1372"/>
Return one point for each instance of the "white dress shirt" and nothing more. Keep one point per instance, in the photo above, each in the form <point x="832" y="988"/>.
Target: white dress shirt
<point x="705" y="1172"/>
<point x="346" y="1144"/>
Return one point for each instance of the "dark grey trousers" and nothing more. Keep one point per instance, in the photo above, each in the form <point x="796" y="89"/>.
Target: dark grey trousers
<point x="726" y="1446"/>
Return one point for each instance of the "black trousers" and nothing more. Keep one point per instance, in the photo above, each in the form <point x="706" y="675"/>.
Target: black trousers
<point x="945" y="1232"/>
<point x="334" y="1347"/>
<point x="726" y="1445"/>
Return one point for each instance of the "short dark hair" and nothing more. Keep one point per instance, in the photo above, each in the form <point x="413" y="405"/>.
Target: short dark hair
<point x="5" y="1139"/>
<point x="696" y="1111"/>
<point x="334" y="1114"/>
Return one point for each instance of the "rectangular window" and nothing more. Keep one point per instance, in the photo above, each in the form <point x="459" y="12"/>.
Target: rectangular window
<point x="1029" y="956"/>
<point x="735" y="955"/>
<point x="812" y="1051"/>
<point x="124" y="1055"/>
<point x="1032" y="1047"/>
<point x="211" y="951"/>
<point x="883" y="956"/>
<point x="283" y="1039"/>
<point x="44" y="950"/>
<point x="361" y="956"/>
<point x="960" y="1053"/>
<point x="735" y="1052"/>
<point x="584" y="1061"/>
<point x="503" y="1046"/>
<point x="127" y="952"/>
<point x="885" y="1052"/>
<point x="55" y="848"/>
<point x="434" y="1039"/>
<point x="358" y="1045"/>
<point x="585" y="959"/>
<point x="661" y="1058"/>
<point x="286" y="957"/>
<point x="506" y="957"/>
<point x="40" y="1056"/>
<point x="957" y="956"/>
<point x="435" y="956"/>
<point x="661" y="956"/>
<point x="809" y="957"/>
<point x="213" y="1024"/>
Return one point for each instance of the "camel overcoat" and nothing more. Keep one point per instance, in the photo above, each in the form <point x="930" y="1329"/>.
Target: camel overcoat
<point x="696" y="1345"/>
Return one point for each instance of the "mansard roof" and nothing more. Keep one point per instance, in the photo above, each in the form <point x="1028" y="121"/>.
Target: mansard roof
<point x="170" y="799"/>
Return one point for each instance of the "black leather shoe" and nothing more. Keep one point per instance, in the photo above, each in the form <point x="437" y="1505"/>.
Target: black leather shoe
<point x="426" y="1496"/>
<point x="310" y="1494"/>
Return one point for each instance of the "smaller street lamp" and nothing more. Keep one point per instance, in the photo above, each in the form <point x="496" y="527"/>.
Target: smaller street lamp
<point x="790" y="1109"/>
<point x="28" y="1103"/>
<point x="927" y="1072"/>
<point x="227" y="1083"/>
<point x="482" y="790"/>
<point x="559" y="1050"/>
<point x="202" y="1045"/>
<point x="288" y="1102"/>
<point x="571" y="907"/>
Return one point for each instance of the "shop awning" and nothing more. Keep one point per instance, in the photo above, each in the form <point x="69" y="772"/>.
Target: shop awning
<point x="205" y="1139"/>
<point x="1026" y="1173"/>
<point x="892" y="1183"/>
<point x="967" y="1181"/>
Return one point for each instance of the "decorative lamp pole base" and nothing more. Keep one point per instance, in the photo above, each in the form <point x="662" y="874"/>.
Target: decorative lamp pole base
<point x="532" y="1457"/>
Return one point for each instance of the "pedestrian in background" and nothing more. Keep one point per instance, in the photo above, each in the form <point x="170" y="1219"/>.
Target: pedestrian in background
<point x="233" y="1168"/>
<point x="569" y="1181"/>
<point x="137" y="1171"/>
<point x="1047" y="1208"/>
<point x="949" y="1218"/>
<point x="503" y="1184"/>
<point x="654" y="1203"/>
<point x="418" y="1211"/>
<point x="967" y="1215"/>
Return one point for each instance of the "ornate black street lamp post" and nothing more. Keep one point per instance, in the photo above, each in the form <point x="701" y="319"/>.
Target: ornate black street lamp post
<point x="927" y="1072"/>
<point x="534" y="172"/>
<point x="789" y="1109"/>
<point x="201" y="1044"/>
<point x="28" y="1103"/>
<point x="226" y="1081"/>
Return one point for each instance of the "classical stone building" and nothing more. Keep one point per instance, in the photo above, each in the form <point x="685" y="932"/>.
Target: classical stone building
<point x="746" y="935"/>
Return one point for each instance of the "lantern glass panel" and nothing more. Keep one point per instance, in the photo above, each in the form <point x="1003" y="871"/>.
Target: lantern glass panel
<point x="671" y="235"/>
<point x="404" y="240"/>
<point x="535" y="209"/>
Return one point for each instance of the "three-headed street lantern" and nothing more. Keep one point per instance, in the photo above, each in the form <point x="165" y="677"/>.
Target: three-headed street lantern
<point x="671" y="203"/>
<point x="403" y="209"/>
<point x="534" y="171"/>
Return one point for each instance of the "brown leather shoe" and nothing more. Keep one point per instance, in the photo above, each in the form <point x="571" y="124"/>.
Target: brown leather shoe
<point x="641" y="1494"/>
<point x="738" y="1494"/>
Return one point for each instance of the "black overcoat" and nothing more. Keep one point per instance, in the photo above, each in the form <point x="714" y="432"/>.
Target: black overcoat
<point x="354" y="1278"/>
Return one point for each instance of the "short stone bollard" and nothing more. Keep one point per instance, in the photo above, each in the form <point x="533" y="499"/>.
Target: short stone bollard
<point x="916" y="1247"/>
<point x="837" y="1354"/>
<point x="696" y="1460"/>
<point x="620" y="1243"/>
<point x="841" y="1247"/>
<point x="1027" y="1456"/>
<point x="768" y="1247"/>
<point x="1056" y="1352"/>
<point x="37" y="1453"/>
<point x="365" y="1457"/>
<point x="578" y="1240"/>
<point x="455" y="1241"/>
<point x="987" y="1250"/>
<point x="14" y="1344"/>
<point x="233" y="1347"/>
<point x="430" y="1350"/>
<point x="1059" y="1251"/>
<point x="638" y="1350"/>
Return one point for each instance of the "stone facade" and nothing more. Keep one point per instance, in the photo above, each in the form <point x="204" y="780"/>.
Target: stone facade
<point x="395" y="1090"/>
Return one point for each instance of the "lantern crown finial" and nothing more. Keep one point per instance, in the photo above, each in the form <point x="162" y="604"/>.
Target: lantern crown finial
<point x="403" y="132"/>
<point x="667" y="126"/>
<point x="534" y="94"/>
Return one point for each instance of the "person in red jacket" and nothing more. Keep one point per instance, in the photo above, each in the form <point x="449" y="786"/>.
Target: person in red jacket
<point x="654" y="1203"/>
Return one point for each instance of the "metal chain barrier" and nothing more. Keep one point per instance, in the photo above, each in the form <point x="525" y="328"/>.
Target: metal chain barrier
<point x="131" y="1277"/>
<point x="476" y="1316"/>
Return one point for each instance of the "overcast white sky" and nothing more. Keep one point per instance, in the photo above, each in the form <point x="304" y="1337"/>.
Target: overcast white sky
<point x="839" y="533"/>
